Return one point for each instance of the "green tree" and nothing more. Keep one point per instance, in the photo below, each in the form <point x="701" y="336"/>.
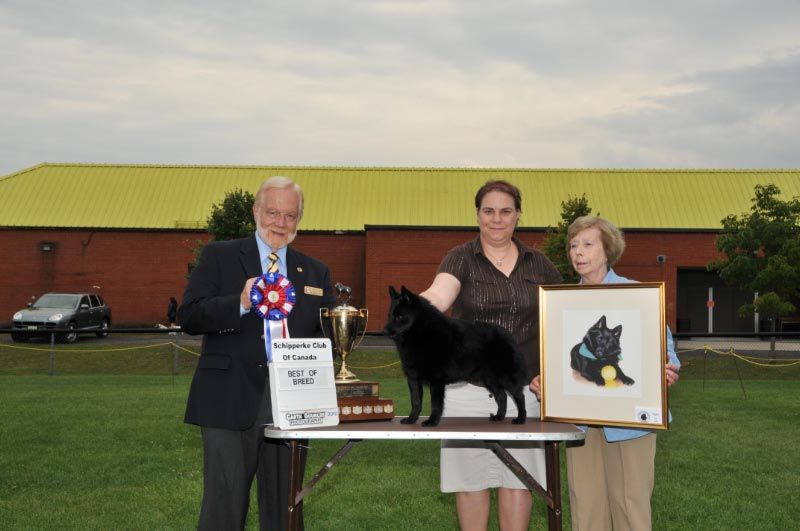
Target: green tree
<point x="555" y="244"/>
<point x="233" y="217"/>
<point x="230" y="219"/>
<point x="761" y="252"/>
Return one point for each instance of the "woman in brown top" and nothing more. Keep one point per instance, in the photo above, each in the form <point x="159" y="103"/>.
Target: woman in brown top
<point x="494" y="279"/>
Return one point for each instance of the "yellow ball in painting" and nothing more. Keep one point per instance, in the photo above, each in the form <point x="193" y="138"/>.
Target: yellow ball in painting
<point x="609" y="373"/>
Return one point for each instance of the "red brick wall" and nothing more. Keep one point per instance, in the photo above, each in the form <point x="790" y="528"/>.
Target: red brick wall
<point x="682" y="250"/>
<point x="138" y="271"/>
<point x="344" y="255"/>
<point x="411" y="258"/>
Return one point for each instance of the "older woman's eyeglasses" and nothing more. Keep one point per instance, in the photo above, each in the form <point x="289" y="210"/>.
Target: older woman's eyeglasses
<point x="272" y="215"/>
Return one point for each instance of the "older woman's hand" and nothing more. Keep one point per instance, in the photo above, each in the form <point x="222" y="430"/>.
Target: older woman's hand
<point x="672" y="374"/>
<point x="536" y="387"/>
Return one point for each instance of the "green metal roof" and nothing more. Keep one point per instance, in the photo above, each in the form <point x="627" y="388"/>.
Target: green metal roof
<point x="348" y="199"/>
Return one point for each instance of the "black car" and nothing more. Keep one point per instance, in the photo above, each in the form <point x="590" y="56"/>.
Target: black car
<point x="67" y="313"/>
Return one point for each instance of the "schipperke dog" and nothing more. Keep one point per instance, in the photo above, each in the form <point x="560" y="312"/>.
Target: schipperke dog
<point x="600" y="347"/>
<point x="437" y="350"/>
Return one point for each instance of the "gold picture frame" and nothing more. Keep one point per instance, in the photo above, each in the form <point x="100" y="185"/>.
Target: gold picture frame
<point x="623" y="383"/>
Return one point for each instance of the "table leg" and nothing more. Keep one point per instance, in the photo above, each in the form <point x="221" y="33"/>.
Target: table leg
<point x="553" y="484"/>
<point x="551" y="495"/>
<point x="295" y="482"/>
<point x="297" y="490"/>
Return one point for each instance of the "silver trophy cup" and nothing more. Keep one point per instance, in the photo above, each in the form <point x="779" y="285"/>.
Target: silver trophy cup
<point x="345" y="326"/>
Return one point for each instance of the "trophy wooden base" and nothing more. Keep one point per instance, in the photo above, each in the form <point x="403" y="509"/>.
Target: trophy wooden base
<point x="360" y="388"/>
<point x="361" y="408"/>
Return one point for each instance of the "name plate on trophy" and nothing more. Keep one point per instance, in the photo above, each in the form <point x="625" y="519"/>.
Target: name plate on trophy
<point x="302" y="384"/>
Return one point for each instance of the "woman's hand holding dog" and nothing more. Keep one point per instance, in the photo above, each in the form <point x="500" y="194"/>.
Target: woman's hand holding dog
<point x="536" y="387"/>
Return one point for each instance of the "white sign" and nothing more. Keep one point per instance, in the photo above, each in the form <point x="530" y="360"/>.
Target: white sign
<point x="302" y="383"/>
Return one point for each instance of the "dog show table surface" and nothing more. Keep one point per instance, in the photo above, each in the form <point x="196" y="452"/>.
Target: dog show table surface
<point x="450" y="428"/>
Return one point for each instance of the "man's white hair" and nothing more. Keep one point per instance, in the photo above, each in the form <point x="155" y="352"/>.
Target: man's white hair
<point x="279" y="181"/>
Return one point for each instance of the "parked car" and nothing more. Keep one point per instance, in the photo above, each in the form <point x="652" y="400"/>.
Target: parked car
<point x="66" y="313"/>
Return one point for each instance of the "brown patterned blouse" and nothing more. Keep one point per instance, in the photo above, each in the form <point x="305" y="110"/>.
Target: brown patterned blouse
<point x="512" y="302"/>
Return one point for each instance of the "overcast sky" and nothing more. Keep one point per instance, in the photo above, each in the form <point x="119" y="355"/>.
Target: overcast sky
<point x="537" y="83"/>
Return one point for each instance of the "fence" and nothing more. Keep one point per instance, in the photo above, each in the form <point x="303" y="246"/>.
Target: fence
<point x="769" y="350"/>
<point x="178" y="345"/>
<point x="145" y="347"/>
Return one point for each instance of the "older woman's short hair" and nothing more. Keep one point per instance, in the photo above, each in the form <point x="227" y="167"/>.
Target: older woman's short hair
<point x="280" y="181"/>
<point x="613" y="240"/>
<point x="499" y="186"/>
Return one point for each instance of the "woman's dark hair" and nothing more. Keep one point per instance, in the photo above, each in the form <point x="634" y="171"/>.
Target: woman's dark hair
<point x="499" y="186"/>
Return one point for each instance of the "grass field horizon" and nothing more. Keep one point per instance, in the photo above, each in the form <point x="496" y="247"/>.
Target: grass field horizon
<point x="102" y="444"/>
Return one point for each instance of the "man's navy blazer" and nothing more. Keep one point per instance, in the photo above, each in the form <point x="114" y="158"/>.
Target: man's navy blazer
<point x="232" y="370"/>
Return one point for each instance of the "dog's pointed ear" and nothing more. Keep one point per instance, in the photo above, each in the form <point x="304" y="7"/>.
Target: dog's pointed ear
<point x="406" y="294"/>
<point x="601" y="323"/>
<point x="617" y="331"/>
<point x="393" y="293"/>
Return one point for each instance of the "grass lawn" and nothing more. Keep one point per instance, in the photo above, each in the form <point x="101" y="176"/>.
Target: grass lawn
<point x="101" y="445"/>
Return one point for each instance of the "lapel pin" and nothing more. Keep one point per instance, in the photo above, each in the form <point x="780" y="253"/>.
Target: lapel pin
<point x="299" y="269"/>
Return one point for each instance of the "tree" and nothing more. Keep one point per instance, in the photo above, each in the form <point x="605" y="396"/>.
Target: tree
<point x="233" y="217"/>
<point x="555" y="244"/>
<point x="761" y="252"/>
<point x="230" y="219"/>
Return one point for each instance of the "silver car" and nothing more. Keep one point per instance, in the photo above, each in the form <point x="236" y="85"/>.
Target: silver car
<point x="66" y="313"/>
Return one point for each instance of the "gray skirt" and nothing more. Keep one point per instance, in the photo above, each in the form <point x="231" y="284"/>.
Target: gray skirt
<point x="470" y="465"/>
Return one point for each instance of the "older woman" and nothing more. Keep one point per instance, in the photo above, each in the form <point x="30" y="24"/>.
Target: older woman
<point x="611" y="475"/>
<point x="493" y="278"/>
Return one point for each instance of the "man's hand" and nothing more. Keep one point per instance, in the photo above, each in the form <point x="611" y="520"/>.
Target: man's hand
<point x="244" y="298"/>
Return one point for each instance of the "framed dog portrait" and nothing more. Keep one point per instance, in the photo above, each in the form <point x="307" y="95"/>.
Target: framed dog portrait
<point x="603" y="351"/>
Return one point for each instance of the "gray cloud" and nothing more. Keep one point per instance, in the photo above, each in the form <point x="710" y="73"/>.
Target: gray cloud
<point x="742" y="117"/>
<point x="443" y="83"/>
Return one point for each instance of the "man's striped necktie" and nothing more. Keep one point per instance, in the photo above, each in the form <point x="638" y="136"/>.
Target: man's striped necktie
<point x="273" y="263"/>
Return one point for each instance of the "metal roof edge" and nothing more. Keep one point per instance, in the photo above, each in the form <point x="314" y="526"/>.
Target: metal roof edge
<point x="20" y="172"/>
<point x="97" y="229"/>
<point x="406" y="168"/>
<point x="694" y="230"/>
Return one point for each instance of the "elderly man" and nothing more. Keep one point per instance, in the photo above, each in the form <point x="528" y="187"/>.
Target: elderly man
<point x="230" y="397"/>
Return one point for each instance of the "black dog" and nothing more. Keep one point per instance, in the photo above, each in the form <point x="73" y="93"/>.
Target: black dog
<point x="438" y="350"/>
<point x="600" y="347"/>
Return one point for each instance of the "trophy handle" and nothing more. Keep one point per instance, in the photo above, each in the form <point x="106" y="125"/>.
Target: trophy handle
<point x="323" y="314"/>
<point x="363" y="313"/>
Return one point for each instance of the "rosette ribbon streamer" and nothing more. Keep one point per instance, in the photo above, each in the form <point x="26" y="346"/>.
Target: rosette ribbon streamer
<point x="273" y="299"/>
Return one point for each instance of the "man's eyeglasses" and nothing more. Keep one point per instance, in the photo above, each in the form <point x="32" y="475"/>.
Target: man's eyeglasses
<point x="272" y="215"/>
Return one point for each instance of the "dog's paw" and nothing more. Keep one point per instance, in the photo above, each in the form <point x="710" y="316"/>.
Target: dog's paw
<point x="626" y="380"/>
<point x="518" y="420"/>
<point x="496" y="418"/>
<point x="430" y="422"/>
<point x="408" y="420"/>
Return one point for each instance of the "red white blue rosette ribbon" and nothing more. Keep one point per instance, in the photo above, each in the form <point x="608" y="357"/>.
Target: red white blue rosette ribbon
<point x="273" y="298"/>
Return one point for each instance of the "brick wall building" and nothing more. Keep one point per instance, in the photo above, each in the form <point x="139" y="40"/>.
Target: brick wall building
<point x="138" y="271"/>
<point x="131" y="229"/>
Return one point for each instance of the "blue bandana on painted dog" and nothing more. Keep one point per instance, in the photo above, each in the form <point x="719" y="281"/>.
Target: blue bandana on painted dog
<point x="586" y="353"/>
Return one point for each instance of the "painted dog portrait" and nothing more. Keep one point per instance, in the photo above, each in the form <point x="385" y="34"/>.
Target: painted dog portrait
<point x="600" y="349"/>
